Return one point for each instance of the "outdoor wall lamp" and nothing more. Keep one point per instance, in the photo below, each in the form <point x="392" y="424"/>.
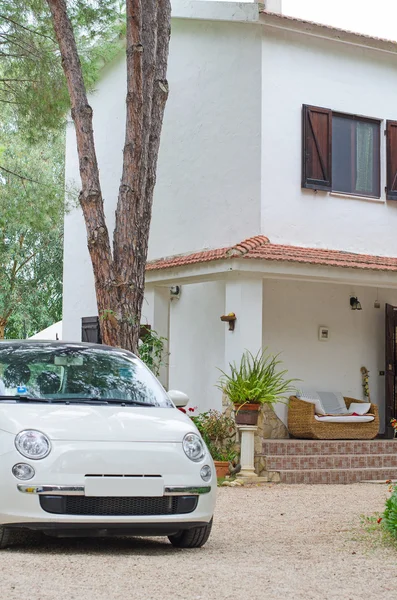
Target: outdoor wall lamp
<point x="355" y="304"/>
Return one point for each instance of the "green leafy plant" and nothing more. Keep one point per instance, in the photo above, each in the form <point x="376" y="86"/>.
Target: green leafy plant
<point x="389" y="517"/>
<point x="257" y="380"/>
<point x="219" y="433"/>
<point x="152" y="350"/>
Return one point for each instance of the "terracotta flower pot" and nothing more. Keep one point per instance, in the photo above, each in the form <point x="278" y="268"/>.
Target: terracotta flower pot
<point x="247" y="414"/>
<point x="222" y="468"/>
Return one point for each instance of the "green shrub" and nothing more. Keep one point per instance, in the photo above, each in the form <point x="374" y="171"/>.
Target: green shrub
<point x="219" y="433"/>
<point x="152" y="351"/>
<point x="389" y="518"/>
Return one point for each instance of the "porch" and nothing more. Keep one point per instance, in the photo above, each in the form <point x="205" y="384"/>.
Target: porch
<point x="282" y="298"/>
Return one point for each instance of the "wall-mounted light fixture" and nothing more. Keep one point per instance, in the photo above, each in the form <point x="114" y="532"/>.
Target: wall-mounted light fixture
<point x="175" y="292"/>
<point x="355" y="303"/>
<point x="231" y="319"/>
<point x="377" y="303"/>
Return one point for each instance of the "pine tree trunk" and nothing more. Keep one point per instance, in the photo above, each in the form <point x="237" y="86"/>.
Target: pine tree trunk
<point x="120" y="276"/>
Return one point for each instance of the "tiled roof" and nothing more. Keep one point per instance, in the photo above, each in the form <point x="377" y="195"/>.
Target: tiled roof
<point x="329" y="28"/>
<point x="260" y="248"/>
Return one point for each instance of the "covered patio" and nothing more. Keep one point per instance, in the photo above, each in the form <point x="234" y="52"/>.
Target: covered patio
<point x="283" y="297"/>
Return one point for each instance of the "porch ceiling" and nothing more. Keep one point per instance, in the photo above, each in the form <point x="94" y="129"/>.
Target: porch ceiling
<point x="258" y="257"/>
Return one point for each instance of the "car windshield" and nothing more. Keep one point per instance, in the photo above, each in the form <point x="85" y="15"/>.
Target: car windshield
<point x="73" y="373"/>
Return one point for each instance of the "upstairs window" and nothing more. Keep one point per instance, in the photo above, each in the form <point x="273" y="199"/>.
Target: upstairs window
<point x="355" y="156"/>
<point x="341" y="153"/>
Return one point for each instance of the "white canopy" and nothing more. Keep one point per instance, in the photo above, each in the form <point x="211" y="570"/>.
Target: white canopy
<point x="53" y="332"/>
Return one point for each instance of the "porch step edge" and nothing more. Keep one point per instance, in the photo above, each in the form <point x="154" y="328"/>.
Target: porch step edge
<point x="276" y="462"/>
<point x="336" y="476"/>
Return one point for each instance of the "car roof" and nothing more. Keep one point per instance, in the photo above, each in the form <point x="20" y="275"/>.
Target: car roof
<point x="59" y="344"/>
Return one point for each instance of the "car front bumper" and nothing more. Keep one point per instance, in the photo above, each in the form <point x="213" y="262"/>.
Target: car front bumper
<point x="63" y="473"/>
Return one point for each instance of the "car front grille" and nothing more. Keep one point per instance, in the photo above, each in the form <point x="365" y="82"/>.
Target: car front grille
<point x="118" y="506"/>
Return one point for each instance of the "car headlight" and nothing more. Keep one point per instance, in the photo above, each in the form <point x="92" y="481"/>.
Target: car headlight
<point x="33" y="444"/>
<point x="193" y="447"/>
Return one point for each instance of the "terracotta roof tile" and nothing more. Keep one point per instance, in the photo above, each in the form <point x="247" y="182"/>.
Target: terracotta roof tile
<point x="259" y="248"/>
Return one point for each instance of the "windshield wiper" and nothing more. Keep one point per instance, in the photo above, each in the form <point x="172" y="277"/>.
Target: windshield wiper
<point x="23" y="398"/>
<point x="132" y="402"/>
<point x="92" y="400"/>
<point x="101" y="401"/>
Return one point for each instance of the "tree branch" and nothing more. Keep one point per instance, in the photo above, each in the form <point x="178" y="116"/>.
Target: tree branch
<point x="160" y="96"/>
<point x="90" y="197"/>
<point x="27" y="260"/>
<point x="18" y="174"/>
<point x="18" y="44"/>
<point x="43" y="35"/>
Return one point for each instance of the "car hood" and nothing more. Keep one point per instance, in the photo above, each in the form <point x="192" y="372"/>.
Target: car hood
<point x="90" y="423"/>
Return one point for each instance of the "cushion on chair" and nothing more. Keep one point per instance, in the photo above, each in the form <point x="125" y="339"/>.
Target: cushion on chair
<point x="360" y="408"/>
<point x="333" y="403"/>
<point x="345" y="418"/>
<point x="312" y="398"/>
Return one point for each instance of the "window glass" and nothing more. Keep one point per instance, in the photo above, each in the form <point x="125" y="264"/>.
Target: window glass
<point x="65" y="372"/>
<point x="355" y="156"/>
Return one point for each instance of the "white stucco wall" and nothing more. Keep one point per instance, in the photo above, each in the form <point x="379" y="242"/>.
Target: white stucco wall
<point x="293" y="312"/>
<point x="299" y="69"/>
<point x="197" y="343"/>
<point x="208" y="185"/>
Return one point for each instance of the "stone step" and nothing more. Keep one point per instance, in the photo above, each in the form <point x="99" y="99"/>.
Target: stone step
<point x="332" y="461"/>
<point x="337" y="476"/>
<point x="291" y="447"/>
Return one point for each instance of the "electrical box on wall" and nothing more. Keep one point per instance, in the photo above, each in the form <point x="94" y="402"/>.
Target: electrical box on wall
<point x="323" y="333"/>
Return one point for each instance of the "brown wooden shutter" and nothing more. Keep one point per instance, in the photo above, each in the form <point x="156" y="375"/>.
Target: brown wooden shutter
<point x="90" y="330"/>
<point x="391" y="146"/>
<point x="317" y="148"/>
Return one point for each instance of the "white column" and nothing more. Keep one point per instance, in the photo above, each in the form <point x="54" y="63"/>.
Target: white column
<point x="245" y="299"/>
<point x="156" y="312"/>
<point x="247" y="452"/>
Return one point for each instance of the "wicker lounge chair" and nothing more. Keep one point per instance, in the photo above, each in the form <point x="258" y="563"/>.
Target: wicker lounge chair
<point x="302" y="424"/>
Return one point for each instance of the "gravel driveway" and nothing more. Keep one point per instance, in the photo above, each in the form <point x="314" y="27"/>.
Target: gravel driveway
<point x="275" y="542"/>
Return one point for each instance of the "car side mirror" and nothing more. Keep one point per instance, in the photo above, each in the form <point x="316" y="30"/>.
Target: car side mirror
<point x="178" y="398"/>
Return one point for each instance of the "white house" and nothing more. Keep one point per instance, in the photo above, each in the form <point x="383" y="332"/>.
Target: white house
<point x="276" y="200"/>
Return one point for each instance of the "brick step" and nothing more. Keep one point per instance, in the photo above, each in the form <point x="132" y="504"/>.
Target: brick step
<point x="332" y="461"/>
<point x="293" y="447"/>
<point x="337" y="476"/>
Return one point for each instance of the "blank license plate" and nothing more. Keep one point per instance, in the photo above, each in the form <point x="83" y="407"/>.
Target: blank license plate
<point x="124" y="486"/>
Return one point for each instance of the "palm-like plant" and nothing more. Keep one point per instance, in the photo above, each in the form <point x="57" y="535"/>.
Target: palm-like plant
<point x="256" y="380"/>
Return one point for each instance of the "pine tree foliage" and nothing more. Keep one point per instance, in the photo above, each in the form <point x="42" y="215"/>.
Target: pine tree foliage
<point x="31" y="233"/>
<point x="32" y="82"/>
<point x="34" y="102"/>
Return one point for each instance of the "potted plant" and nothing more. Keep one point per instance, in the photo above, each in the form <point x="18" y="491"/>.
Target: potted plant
<point x="257" y="380"/>
<point x="219" y="433"/>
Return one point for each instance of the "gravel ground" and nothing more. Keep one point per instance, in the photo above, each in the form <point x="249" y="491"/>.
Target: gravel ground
<point x="271" y="542"/>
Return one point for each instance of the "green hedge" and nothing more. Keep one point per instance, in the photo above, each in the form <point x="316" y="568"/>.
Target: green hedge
<point x="389" y="517"/>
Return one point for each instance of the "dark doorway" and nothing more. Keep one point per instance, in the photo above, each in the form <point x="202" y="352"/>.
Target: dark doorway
<point x="391" y="368"/>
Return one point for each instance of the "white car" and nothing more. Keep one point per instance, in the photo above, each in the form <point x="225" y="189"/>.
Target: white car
<point x="91" y="444"/>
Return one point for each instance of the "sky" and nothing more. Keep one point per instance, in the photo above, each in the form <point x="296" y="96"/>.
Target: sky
<point x="377" y="18"/>
<point x="372" y="17"/>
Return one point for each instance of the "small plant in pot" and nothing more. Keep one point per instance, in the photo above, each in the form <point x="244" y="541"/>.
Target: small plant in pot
<point x="219" y="433"/>
<point x="255" y="381"/>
